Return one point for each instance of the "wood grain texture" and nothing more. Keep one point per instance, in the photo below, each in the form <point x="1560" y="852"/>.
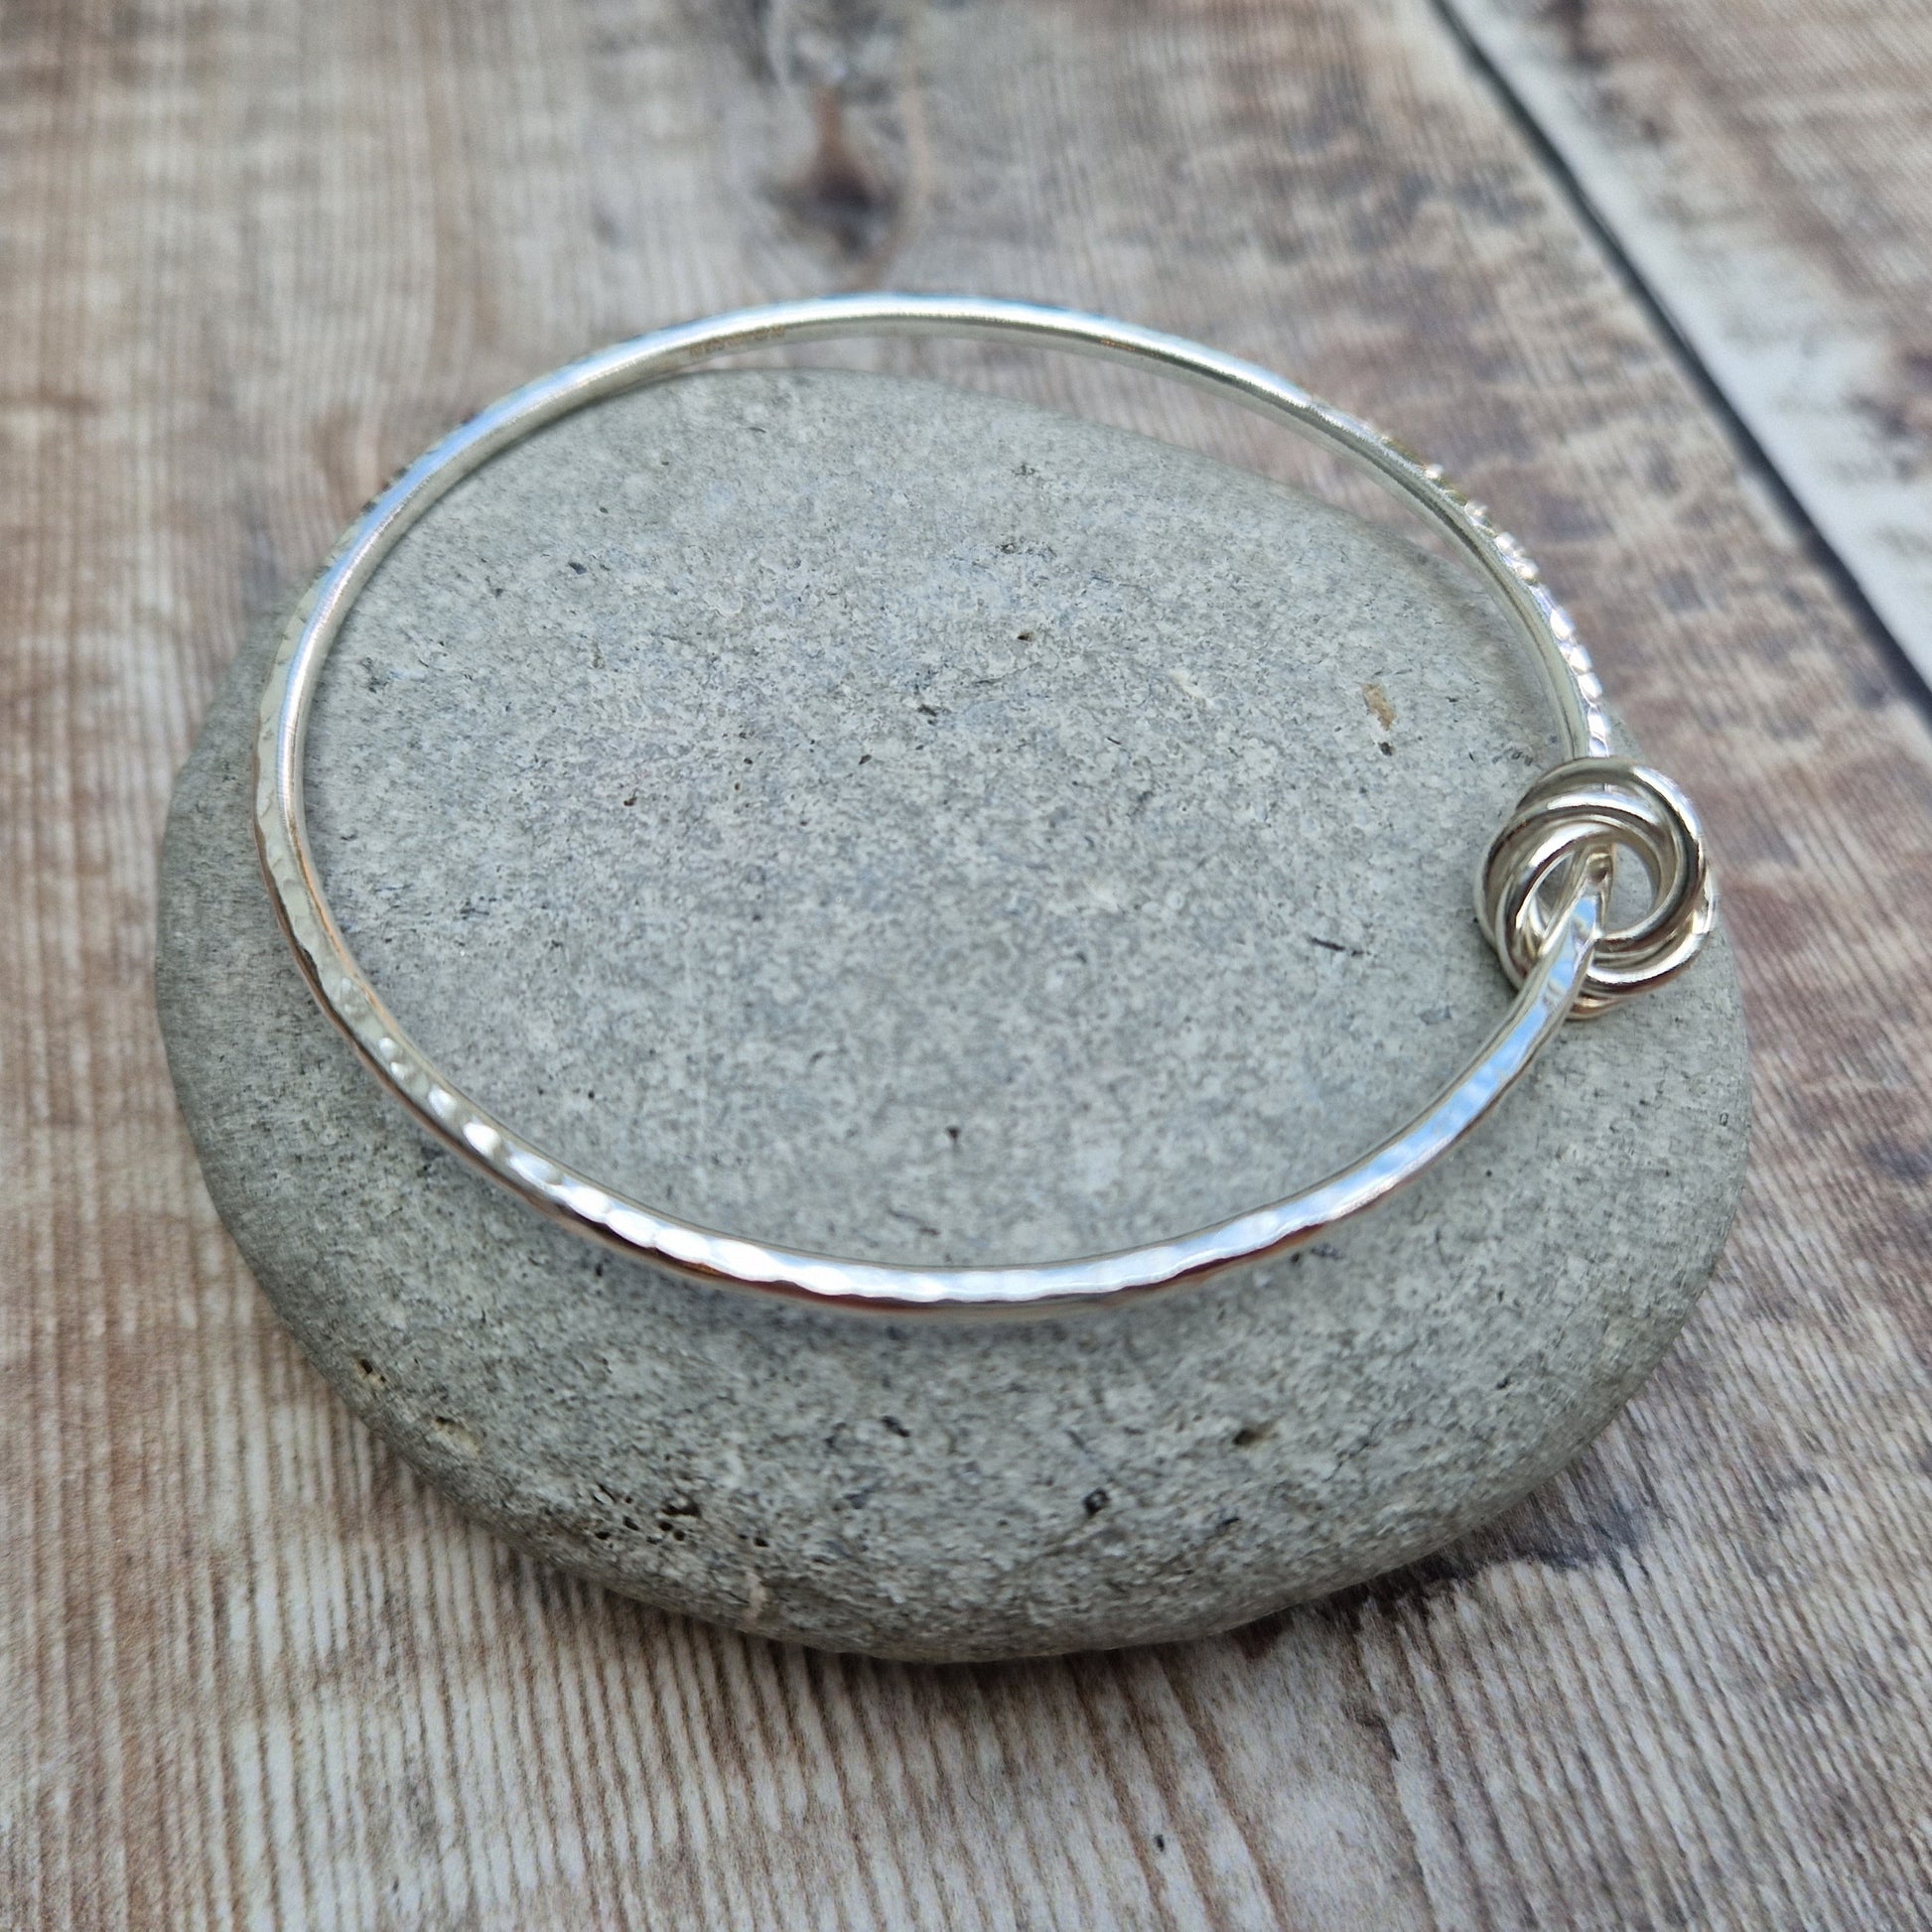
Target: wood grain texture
<point x="253" y="255"/>
<point x="1767" y="170"/>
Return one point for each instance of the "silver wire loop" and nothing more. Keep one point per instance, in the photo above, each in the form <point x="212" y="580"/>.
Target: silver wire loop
<point x="1554" y="926"/>
<point x="1578" y="818"/>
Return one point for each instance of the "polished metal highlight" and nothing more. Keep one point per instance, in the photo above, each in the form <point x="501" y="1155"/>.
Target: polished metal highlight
<point x="1581" y="814"/>
<point x="1544" y="895"/>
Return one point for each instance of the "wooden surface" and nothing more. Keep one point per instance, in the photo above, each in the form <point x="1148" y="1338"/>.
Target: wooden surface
<point x="1766" y="168"/>
<point x="251" y="1671"/>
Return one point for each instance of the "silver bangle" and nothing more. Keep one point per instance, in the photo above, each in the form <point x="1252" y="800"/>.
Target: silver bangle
<point x="1543" y="889"/>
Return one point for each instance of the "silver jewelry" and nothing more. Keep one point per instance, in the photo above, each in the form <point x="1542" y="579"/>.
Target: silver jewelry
<point x="1543" y="891"/>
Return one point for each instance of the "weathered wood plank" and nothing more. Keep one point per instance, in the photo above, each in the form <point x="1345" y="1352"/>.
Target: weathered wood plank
<point x="253" y="1671"/>
<point x="1767" y="170"/>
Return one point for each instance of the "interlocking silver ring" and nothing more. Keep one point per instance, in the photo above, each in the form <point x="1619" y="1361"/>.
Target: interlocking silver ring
<point x="1566" y="835"/>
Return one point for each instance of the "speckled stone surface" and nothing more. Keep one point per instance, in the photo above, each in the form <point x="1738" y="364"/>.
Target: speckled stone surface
<point x="900" y="822"/>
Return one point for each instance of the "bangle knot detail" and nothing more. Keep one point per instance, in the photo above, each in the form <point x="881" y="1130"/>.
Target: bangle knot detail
<point x="1563" y="840"/>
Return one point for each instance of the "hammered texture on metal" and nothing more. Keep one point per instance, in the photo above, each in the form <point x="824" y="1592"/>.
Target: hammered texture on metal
<point x="1568" y="923"/>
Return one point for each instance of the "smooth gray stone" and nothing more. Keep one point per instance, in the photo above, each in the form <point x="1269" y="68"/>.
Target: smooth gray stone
<point x="900" y="822"/>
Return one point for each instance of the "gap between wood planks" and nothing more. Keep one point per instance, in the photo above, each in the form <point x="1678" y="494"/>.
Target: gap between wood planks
<point x="1755" y="460"/>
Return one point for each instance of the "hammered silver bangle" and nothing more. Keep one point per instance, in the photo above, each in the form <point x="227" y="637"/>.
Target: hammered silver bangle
<point x="1542" y="892"/>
